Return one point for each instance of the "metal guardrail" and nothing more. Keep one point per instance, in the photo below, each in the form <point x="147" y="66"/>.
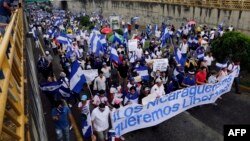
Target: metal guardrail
<point x="12" y="115"/>
<point x="220" y="4"/>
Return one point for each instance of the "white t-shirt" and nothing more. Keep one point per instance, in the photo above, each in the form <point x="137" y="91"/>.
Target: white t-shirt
<point x="139" y="52"/>
<point x="100" y="83"/>
<point x="84" y="109"/>
<point x="209" y="60"/>
<point x="159" y="91"/>
<point x="184" y="48"/>
<point x="236" y="68"/>
<point x="100" y="119"/>
<point x="106" y="72"/>
<point x="158" y="34"/>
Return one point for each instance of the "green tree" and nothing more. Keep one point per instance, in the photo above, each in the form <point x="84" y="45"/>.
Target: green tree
<point x="232" y="46"/>
<point x="84" y="21"/>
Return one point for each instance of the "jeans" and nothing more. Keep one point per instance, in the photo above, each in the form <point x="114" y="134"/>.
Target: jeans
<point x="102" y="135"/>
<point x="236" y="84"/>
<point x="62" y="134"/>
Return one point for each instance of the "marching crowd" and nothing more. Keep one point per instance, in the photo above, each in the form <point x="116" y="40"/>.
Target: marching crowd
<point x="123" y="77"/>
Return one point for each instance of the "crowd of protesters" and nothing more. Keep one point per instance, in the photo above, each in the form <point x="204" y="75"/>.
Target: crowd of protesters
<point x="118" y="82"/>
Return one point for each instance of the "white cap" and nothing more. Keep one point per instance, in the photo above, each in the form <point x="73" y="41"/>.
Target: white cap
<point x="146" y="52"/>
<point x="158" y="80"/>
<point x="47" y="52"/>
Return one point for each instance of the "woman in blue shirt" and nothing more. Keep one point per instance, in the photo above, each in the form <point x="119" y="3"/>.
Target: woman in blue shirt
<point x="189" y="79"/>
<point x="131" y="97"/>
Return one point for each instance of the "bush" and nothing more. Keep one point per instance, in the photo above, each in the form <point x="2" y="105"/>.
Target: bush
<point x="232" y="46"/>
<point x="84" y="21"/>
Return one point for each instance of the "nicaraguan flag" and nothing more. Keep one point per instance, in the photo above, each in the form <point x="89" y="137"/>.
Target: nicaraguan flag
<point x="221" y="65"/>
<point x="96" y="45"/>
<point x="64" y="90"/>
<point x="114" y="56"/>
<point x="63" y="39"/>
<point x="200" y="53"/>
<point x="180" y="59"/>
<point x="103" y="40"/>
<point x="117" y="39"/>
<point x="143" y="72"/>
<point x="164" y="37"/>
<point x="77" y="78"/>
<point x="125" y="33"/>
<point x="50" y="87"/>
<point x="51" y="33"/>
<point x="86" y="124"/>
<point x="220" y="26"/>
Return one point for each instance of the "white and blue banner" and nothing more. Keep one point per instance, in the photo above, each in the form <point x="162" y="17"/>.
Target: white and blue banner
<point x="133" y="117"/>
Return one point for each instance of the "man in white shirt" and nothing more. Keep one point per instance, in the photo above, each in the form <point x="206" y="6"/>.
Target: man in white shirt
<point x="209" y="59"/>
<point x="158" y="88"/>
<point x="235" y="67"/>
<point x="184" y="46"/>
<point x="158" y="34"/>
<point x="100" y="82"/>
<point x="100" y="121"/>
<point x="139" y="52"/>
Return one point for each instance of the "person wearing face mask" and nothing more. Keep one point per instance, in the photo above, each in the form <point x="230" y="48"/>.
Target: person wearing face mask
<point x="100" y="121"/>
<point x="60" y="115"/>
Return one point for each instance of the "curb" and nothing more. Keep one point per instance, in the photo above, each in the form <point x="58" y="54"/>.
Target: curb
<point x="245" y="88"/>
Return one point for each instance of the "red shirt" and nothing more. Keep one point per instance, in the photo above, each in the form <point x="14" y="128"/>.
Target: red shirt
<point x="201" y="76"/>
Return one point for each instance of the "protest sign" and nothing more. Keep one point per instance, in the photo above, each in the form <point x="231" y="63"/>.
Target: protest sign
<point x="132" y="45"/>
<point x="90" y="75"/>
<point x="160" y="64"/>
<point x="133" y="117"/>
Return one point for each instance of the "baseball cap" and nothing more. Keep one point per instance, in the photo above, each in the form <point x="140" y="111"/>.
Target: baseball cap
<point x="84" y="97"/>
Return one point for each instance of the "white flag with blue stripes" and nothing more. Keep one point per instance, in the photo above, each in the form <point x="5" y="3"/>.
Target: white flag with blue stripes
<point x="77" y="78"/>
<point x="114" y="55"/>
<point x="143" y="72"/>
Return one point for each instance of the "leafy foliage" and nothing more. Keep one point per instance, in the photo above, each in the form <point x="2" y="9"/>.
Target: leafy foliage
<point x="232" y="46"/>
<point x="84" y="21"/>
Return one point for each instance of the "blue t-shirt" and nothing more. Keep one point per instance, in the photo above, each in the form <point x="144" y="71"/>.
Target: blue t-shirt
<point x="63" y="121"/>
<point x="3" y="11"/>
<point x="189" y="80"/>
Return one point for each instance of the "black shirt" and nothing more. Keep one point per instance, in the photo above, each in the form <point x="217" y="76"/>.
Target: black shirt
<point x="123" y="70"/>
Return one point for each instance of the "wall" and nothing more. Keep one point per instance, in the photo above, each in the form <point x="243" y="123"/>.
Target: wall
<point x="156" y="12"/>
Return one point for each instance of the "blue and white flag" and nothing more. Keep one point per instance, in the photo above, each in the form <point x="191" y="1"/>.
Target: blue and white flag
<point x="117" y="39"/>
<point x="180" y="59"/>
<point x="221" y="65"/>
<point x="200" y="53"/>
<point x="125" y="33"/>
<point x="103" y="40"/>
<point x="164" y="37"/>
<point x="77" y="78"/>
<point x="96" y="45"/>
<point x="86" y="124"/>
<point x="63" y="39"/>
<point x="143" y="72"/>
<point x="50" y="87"/>
<point x="220" y="26"/>
<point x="114" y="56"/>
<point x="64" y="90"/>
<point x="51" y="32"/>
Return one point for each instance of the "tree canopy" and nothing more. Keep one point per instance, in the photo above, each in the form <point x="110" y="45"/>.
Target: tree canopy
<point x="232" y="46"/>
